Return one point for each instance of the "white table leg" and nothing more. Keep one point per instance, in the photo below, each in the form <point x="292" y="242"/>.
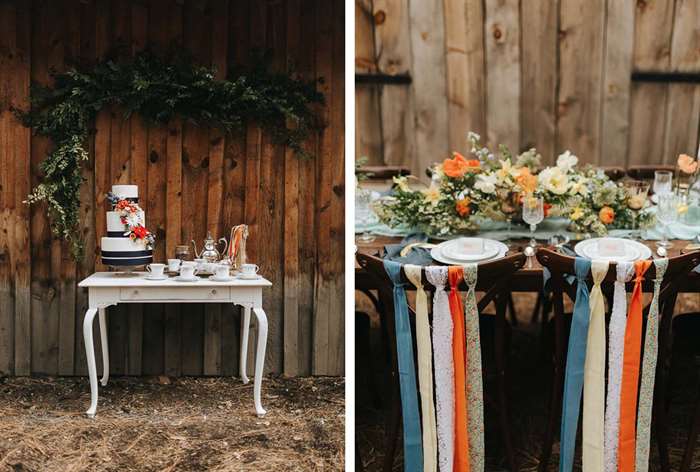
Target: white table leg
<point x="105" y="346"/>
<point x="260" y="359"/>
<point x="245" y="330"/>
<point x="90" y="355"/>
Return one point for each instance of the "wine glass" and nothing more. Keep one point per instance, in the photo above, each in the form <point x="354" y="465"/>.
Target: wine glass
<point x="667" y="213"/>
<point x="364" y="215"/>
<point x="533" y="214"/>
<point x="663" y="181"/>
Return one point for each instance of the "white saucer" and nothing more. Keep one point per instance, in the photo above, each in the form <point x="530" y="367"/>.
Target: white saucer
<point x="249" y="277"/>
<point x="156" y="277"/>
<point x="226" y="279"/>
<point x="634" y="250"/>
<point x="437" y="254"/>
<point x="180" y="278"/>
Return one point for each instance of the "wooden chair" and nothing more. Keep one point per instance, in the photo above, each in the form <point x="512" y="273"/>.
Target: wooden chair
<point x="614" y="173"/>
<point x="560" y="266"/>
<point x="646" y="171"/>
<point x="492" y="279"/>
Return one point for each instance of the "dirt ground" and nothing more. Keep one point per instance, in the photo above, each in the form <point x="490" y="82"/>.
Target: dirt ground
<point x="163" y="424"/>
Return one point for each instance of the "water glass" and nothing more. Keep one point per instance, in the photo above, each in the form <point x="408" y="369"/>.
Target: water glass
<point x="667" y="213"/>
<point x="663" y="181"/>
<point x="533" y="214"/>
<point x="364" y="214"/>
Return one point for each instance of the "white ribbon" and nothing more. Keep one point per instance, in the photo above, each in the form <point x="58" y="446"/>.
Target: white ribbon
<point x="444" y="368"/>
<point x="618" y="323"/>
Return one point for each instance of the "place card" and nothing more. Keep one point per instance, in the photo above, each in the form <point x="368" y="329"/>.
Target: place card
<point x="471" y="246"/>
<point x="611" y="247"/>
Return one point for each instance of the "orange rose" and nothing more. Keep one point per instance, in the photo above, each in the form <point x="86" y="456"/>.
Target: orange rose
<point x="462" y="206"/>
<point x="606" y="215"/>
<point x="687" y="164"/>
<point x="526" y="180"/>
<point x="458" y="166"/>
<point x="546" y="207"/>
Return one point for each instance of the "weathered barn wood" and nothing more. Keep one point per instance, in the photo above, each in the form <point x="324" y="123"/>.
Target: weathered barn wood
<point x="554" y="74"/>
<point x="190" y="179"/>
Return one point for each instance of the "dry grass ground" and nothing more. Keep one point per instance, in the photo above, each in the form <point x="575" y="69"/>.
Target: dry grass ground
<point x="171" y="425"/>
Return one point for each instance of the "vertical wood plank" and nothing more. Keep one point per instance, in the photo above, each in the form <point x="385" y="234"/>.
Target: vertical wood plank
<point x="429" y="88"/>
<point x="539" y="27"/>
<point x="652" y="50"/>
<point x="464" y="56"/>
<point x="619" y="45"/>
<point x="393" y="54"/>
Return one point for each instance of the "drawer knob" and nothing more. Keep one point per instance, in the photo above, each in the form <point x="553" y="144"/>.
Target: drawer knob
<point x="213" y="292"/>
<point x="136" y="292"/>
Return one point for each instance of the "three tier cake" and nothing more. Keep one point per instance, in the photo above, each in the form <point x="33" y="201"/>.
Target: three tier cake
<point x="128" y="242"/>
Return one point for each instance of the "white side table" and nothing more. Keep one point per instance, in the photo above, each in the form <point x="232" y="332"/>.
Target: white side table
<point x="108" y="288"/>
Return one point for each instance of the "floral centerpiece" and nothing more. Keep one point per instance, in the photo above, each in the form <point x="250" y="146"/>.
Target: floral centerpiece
<point x="465" y="192"/>
<point x="131" y="216"/>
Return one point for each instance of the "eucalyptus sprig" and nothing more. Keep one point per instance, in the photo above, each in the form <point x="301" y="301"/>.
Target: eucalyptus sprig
<point x="158" y="89"/>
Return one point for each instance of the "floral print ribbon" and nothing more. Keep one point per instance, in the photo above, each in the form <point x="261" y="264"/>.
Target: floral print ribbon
<point x="413" y="451"/>
<point x="461" y="451"/>
<point x="475" y="388"/>
<point x="425" y="369"/>
<point x="444" y="367"/>
<point x="630" y="373"/>
<point x="594" y="376"/>
<point x="576" y="354"/>
<point x="646" y="390"/>
<point x="618" y="320"/>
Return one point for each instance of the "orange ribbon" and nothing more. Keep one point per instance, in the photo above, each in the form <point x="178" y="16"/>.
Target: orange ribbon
<point x="630" y="373"/>
<point x="461" y="450"/>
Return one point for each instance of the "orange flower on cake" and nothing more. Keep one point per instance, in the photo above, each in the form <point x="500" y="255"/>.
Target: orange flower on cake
<point x="606" y="215"/>
<point x="463" y="206"/>
<point x="459" y="165"/>
<point x="140" y="232"/>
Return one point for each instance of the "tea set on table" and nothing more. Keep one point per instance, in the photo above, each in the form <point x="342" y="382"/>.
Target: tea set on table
<point x="231" y="266"/>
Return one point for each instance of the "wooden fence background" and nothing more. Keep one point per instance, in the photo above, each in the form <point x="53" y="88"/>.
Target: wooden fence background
<point x="554" y="74"/>
<point x="190" y="180"/>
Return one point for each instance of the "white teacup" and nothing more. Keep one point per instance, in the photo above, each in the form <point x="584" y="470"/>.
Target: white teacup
<point x="188" y="264"/>
<point x="200" y="263"/>
<point x="249" y="270"/>
<point x="221" y="271"/>
<point x="173" y="265"/>
<point x="188" y="271"/>
<point x="156" y="269"/>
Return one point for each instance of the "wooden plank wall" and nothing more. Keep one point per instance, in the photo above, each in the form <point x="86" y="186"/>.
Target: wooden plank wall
<point x="190" y="180"/>
<point x="555" y="74"/>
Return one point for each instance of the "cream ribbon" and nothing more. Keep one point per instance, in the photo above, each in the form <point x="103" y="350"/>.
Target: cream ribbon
<point x="646" y="389"/>
<point x="475" y="387"/>
<point x="425" y="369"/>
<point x="594" y="376"/>
<point x="618" y="322"/>
<point x="444" y="368"/>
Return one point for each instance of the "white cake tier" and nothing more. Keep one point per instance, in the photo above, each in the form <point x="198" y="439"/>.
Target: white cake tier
<point x="122" y="245"/>
<point x="114" y="222"/>
<point x="126" y="191"/>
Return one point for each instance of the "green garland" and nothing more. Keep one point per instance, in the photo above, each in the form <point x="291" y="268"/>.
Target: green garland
<point x="158" y="89"/>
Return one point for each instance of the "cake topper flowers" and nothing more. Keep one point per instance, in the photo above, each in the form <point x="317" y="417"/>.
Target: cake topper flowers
<point x="131" y="216"/>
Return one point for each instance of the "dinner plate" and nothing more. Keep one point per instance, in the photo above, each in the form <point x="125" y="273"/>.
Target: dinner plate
<point x="634" y="250"/>
<point x="452" y="250"/>
<point x="436" y="254"/>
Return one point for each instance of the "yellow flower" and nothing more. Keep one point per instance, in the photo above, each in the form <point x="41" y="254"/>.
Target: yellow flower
<point x="401" y="183"/>
<point x="576" y="214"/>
<point x="432" y="195"/>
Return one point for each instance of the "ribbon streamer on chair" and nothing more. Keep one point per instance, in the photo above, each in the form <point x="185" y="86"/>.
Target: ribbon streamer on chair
<point x="413" y="451"/>
<point x="444" y="367"/>
<point x="455" y="275"/>
<point x="475" y="388"/>
<point x="425" y="369"/>
<point x="618" y="320"/>
<point x="630" y="373"/>
<point x="594" y="376"/>
<point x="646" y="389"/>
<point x="576" y="354"/>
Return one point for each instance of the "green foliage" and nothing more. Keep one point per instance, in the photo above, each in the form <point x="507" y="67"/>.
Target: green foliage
<point x="158" y="89"/>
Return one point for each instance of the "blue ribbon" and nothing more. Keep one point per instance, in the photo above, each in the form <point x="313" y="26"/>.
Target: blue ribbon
<point x="412" y="445"/>
<point x="576" y="357"/>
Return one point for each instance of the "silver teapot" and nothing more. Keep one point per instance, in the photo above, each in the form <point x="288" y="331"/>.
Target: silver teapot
<point x="209" y="252"/>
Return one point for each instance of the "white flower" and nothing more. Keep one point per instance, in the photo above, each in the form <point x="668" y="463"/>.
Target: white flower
<point x="133" y="219"/>
<point x="486" y="183"/>
<point x="567" y="161"/>
<point x="554" y="180"/>
<point x="401" y="183"/>
<point x="507" y="170"/>
<point x="432" y="195"/>
<point x="579" y="187"/>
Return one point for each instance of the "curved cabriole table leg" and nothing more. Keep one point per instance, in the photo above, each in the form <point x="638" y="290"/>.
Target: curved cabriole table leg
<point x="90" y="354"/>
<point x="260" y="359"/>
<point x="245" y="330"/>
<point x="105" y="346"/>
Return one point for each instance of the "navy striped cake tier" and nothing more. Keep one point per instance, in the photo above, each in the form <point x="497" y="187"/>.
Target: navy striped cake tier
<point x="127" y="258"/>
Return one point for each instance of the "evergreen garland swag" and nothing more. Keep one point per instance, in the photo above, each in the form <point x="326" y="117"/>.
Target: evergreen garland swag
<point x="158" y="89"/>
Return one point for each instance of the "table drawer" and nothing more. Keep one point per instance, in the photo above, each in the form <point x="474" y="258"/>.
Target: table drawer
<point x="182" y="293"/>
